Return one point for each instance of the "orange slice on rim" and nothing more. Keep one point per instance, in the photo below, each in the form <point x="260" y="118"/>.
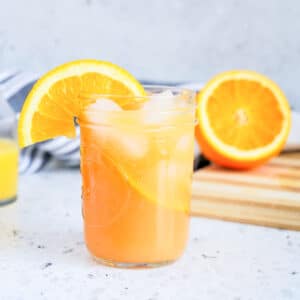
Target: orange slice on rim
<point x="54" y="101"/>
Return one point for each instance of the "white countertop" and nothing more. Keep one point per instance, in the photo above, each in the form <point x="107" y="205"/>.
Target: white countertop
<point x="43" y="256"/>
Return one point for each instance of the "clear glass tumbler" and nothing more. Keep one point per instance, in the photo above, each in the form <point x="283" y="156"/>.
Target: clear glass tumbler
<point x="9" y="153"/>
<point x="136" y="166"/>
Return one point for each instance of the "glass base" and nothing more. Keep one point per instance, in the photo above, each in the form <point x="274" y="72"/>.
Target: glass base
<point x="7" y="201"/>
<point x="132" y="265"/>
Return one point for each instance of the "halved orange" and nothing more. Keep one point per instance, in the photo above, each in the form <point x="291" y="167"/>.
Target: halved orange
<point x="54" y="101"/>
<point x="243" y="119"/>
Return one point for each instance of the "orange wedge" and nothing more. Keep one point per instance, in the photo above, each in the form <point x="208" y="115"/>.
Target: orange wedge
<point x="54" y="101"/>
<point x="243" y="119"/>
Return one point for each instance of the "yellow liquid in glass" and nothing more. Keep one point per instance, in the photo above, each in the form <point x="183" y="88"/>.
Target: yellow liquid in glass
<point x="8" y="169"/>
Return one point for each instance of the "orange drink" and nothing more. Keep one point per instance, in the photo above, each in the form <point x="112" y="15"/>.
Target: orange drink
<point x="8" y="170"/>
<point x="136" y="167"/>
<point x="9" y="154"/>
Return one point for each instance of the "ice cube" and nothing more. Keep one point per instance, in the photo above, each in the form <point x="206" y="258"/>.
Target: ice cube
<point x="103" y="104"/>
<point x="99" y="111"/>
<point x="122" y="138"/>
<point x="153" y="118"/>
<point x="158" y="108"/>
<point x="125" y="143"/>
<point x="135" y="145"/>
<point x="161" y="101"/>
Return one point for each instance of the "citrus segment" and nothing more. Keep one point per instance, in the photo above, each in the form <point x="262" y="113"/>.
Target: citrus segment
<point x="55" y="100"/>
<point x="243" y="119"/>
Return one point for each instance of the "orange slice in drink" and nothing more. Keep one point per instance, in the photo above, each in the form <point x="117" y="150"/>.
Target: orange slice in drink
<point x="54" y="101"/>
<point x="243" y="119"/>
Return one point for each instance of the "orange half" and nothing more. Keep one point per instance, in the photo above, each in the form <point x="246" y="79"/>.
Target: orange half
<point x="243" y="119"/>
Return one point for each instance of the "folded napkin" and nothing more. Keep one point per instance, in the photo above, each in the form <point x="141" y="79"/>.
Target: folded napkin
<point x="14" y="87"/>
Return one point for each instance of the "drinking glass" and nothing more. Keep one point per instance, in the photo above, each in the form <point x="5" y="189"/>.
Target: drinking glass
<point x="136" y="167"/>
<point x="8" y="154"/>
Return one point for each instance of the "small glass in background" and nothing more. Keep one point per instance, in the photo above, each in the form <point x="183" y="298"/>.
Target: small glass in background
<point x="9" y="154"/>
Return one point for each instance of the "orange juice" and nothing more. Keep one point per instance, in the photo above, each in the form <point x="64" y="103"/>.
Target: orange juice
<point x="8" y="170"/>
<point x="136" y="171"/>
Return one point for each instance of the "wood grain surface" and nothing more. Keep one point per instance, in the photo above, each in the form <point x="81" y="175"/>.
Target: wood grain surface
<point x="268" y="196"/>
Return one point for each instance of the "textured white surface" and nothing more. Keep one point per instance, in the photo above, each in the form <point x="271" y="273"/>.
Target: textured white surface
<point x="42" y="255"/>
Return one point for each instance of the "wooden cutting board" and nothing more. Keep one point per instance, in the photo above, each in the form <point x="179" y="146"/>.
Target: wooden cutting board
<point x="269" y="195"/>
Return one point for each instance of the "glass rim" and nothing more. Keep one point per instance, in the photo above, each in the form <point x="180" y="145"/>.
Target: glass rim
<point x="188" y="96"/>
<point x="148" y="87"/>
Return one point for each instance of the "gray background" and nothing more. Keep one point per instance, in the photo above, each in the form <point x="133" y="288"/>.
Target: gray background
<point x="171" y="40"/>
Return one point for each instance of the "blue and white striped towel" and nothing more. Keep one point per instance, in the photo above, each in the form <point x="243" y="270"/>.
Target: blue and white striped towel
<point x="14" y="87"/>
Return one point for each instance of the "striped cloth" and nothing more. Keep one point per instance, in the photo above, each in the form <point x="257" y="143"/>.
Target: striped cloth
<point x="14" y="87"/>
